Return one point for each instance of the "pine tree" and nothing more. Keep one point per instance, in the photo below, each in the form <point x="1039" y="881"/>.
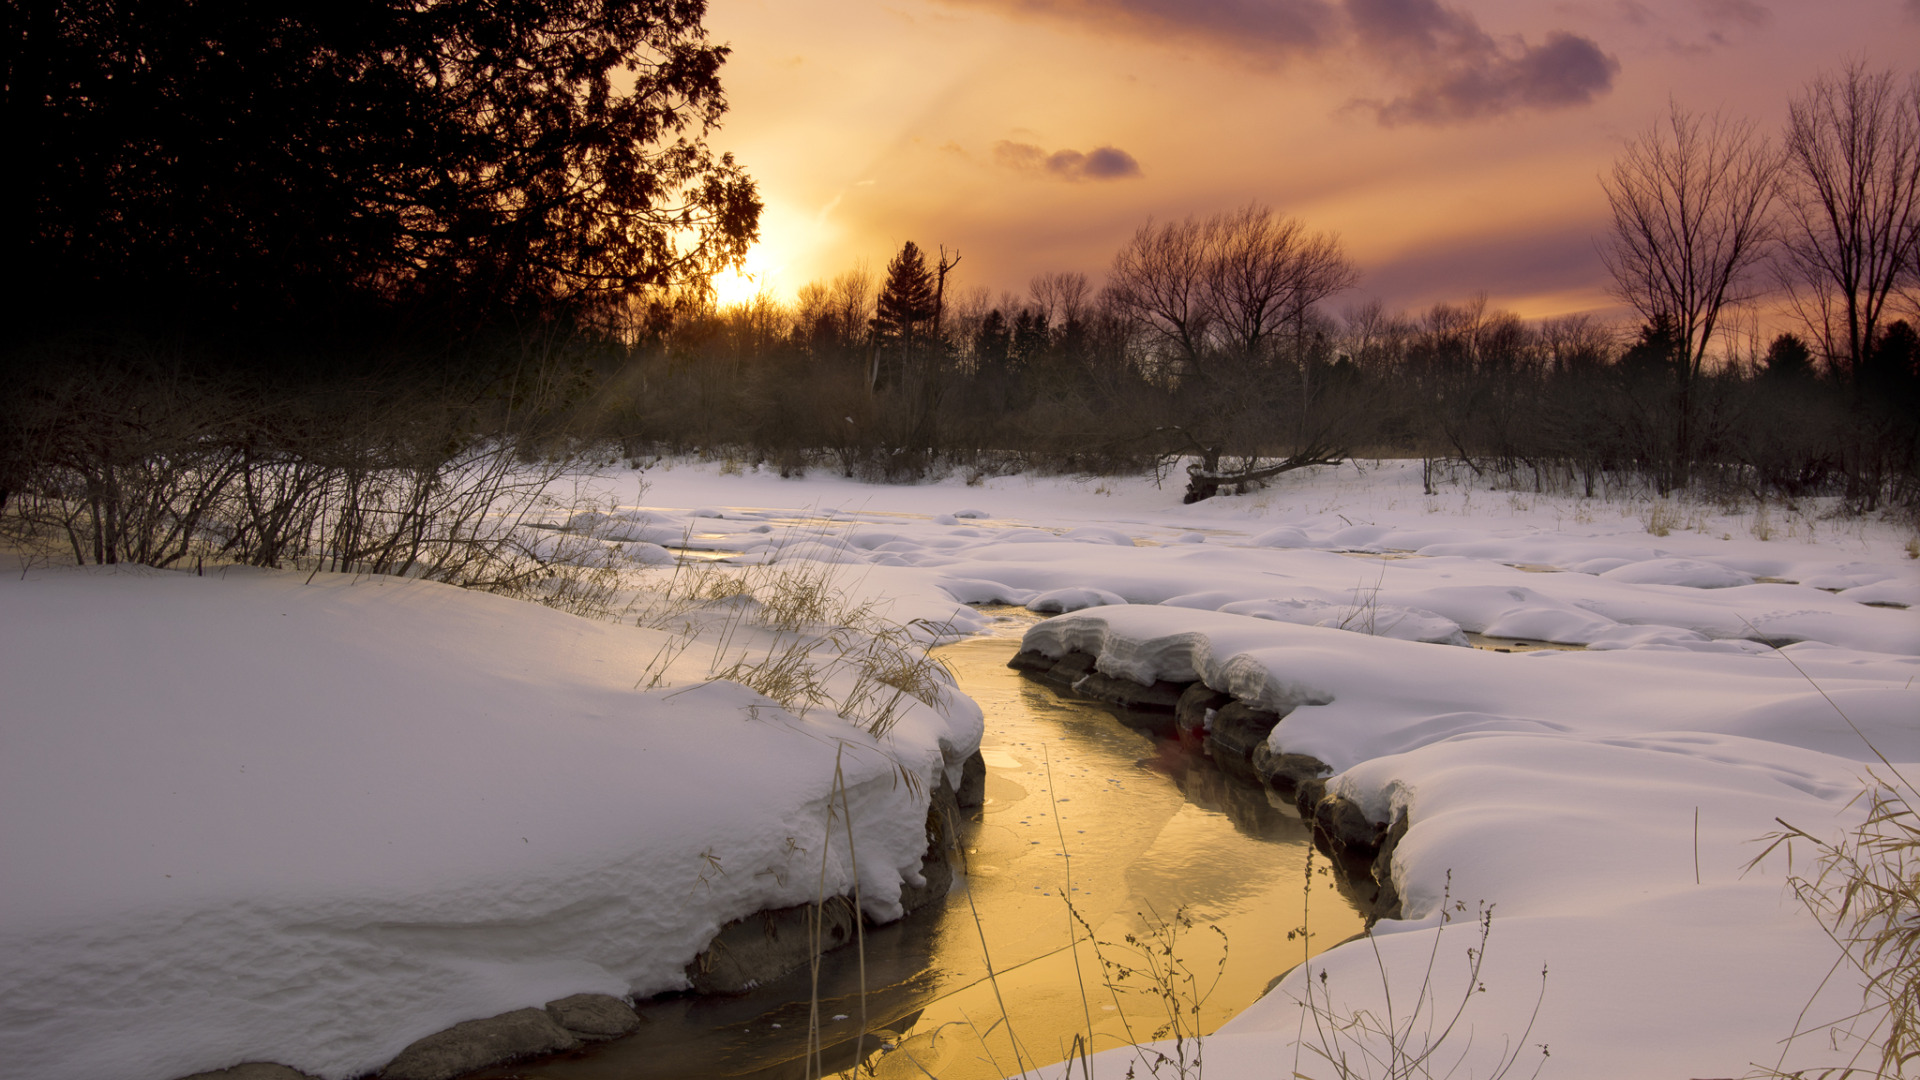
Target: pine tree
<point x="991" y="342"/>
<point x="1788" y="360"/>
<point x="1030" y="337"/>
<point x="906" y="308"/>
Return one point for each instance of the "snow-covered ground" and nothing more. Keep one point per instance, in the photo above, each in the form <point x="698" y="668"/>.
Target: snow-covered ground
<point x="387" y="806"/>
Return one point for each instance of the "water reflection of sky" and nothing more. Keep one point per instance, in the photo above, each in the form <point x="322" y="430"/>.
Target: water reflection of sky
<point x="1139" y="830"/>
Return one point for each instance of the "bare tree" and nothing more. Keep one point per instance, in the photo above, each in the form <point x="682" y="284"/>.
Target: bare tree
<point x="1852" y="207"/>
<point x="1212" y="300"/>
<point x="1690" y="224"/>
<point x="1062" y="297"/>
<point x="1264" y="272"/>
<point x="1158" y="282"/>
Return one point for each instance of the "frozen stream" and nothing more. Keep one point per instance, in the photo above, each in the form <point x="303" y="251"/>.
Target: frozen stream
<point x="1150" y="827"/>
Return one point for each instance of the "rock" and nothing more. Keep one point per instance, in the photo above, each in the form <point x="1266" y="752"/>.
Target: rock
<point x="594" y="1016"/>
<point x="252" y="1070"/>
<point x="1386" y="902"/>
<point x="1239" y="728"/>
<point x="973" y="782"/>
<point x="938" y="872"/>
<point x="1284" y="772"/>
<point x="1307" y="795"/>
<point x="768" y="944"/>
<point x="936" y="866"/>
<point x="477" y="1044"/>
<point x="1190" y="711"/>
<point x="1349" y="832"/>
<point x="1162" y="696"/>
<point x="1031" y="660"/>
<point x="1070" y="669"/>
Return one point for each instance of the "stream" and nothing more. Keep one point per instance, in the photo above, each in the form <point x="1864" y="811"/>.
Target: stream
<point x="1146" y="837"/>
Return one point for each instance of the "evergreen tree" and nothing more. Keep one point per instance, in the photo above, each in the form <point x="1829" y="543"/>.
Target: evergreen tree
<point x="905" y="312"/>
<point x="992" y="342"/>
<point x="1788" y="360"/>
<point x="1030" y="337"/>
<point x="906" y="299"/>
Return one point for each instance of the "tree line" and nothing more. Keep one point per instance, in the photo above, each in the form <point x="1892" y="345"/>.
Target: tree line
<point x="1214" y="338"/>
<point x="369" y="252"/>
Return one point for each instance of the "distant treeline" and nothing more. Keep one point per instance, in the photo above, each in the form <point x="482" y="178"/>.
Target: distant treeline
<point x="1064" y="378"/>
<point x="325" y="285"/>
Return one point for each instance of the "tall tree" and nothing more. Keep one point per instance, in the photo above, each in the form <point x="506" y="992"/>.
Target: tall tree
<point x="245" y="162"/>
<point x="1853" y="207"/>
<point x="903" y="315"/>
<point x="1690" y="224"/>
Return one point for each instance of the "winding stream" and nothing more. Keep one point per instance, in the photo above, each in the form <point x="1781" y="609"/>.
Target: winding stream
<point x="1078" y="806"/>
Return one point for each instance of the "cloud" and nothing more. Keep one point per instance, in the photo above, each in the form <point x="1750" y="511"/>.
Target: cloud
<point x="1269" y="26"/>
<point x="1446" y="68"/>
<point x="1745" y="12"/>
<point x="1459" y="72"/>
<point x="1510" y="265"/>
<point x="1100" y="163"/>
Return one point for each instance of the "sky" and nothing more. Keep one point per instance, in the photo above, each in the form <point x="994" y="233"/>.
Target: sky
<point x="1454" y="146"/>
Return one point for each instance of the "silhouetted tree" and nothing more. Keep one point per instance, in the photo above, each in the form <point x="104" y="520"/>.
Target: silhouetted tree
<point x="903" y="316"/>
<point x="992" y="342"/>
<point x="1690" y="223"/>
<point x="1788" y="360"/>
<point x="1031" y="336"/>
<point x="222" y="163"/>
<point x="1853" y="207"/>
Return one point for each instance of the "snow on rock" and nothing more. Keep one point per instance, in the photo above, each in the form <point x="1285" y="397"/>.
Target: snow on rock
<point x="1286" y="536"/>
<point x="1562" y="788"/>
<point x="1691" y="573"/>
<point x="455" y="806"/>
<point x="1072" y="599"/>
<point x="1094" y="534"/>
<point x="1407" y="624"/>
<point x="1889" y="593"/>
<point x="246" y="817"/>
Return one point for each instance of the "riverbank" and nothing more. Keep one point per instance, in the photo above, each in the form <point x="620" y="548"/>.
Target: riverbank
<point x="1559" y="787"/>
<point x="254" y="816"/>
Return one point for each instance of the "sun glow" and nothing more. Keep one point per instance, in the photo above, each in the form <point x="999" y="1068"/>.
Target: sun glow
<point x="734" y="287"/>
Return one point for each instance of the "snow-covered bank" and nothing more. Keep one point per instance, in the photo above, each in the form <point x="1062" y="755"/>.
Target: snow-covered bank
<point x="1561" y="787"/>
<point x="249" y="817"/>
<point x="453" y="805"/>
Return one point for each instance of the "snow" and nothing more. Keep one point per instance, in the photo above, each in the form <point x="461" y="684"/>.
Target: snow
<point x="455" y="804"/>
<point x="250" y="817"/>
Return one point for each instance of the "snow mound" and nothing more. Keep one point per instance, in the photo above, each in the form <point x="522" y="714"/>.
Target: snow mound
<point x="1690" y="573"/>
<point x="1094" y="534"/>
<point x="250" y="818"/>
<point x="1386" y="620"/>
<point x="1072" y="599"/>
<point x="1286" y="536"/>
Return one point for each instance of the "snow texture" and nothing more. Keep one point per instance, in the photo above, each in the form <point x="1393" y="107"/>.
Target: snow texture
<point x="249" y="817"/>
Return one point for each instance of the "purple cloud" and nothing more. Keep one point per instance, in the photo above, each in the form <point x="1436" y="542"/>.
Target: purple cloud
<point x="1444" y="66"/>
<point x="1101" y="163"/>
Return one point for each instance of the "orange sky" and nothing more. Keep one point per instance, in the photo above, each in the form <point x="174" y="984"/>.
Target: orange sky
<point x="1454" y="145"/>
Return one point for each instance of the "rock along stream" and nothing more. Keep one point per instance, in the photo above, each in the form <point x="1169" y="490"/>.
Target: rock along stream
<point x="1078" y="806"/>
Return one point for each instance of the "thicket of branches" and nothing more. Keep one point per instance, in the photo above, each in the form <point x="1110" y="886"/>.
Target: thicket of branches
<point x="236" y="424"/>
<point x="1017" y="382"/>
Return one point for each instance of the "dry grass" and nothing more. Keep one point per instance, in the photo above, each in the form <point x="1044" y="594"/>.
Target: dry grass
<point x="1417" y="1040"/>
<point x="789" y="629"/>
<point x="1661" y="517"/>
<point x="1864" y="889"/>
